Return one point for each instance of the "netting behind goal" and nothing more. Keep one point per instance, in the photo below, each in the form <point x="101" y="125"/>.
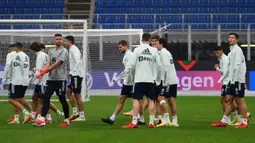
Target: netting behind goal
<point x="103" y="60"/>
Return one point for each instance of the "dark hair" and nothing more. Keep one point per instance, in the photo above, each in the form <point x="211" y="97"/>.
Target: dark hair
<point x="162" y="41"/>
<point x="146" y="37"/>
<point x="19" y="45"/>
<point x="155" y="37"/>
<point x="123" y="43"/>
<point x="42" y="46"/>
<point x="12" y="46"/>
<point x="218" y="48"/>
<point x="70" y="38"/>
<point x="57" y="35"/>
<point x="35" y="46"/>
<point x="235" y="34"/>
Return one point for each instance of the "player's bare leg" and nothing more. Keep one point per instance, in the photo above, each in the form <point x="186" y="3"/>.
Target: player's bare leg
<point x="136" y="109"/>
<point x="121" y="101"/>
<point x="141" y="114"/>
<point x="241" y="105"/>
<point x="25" y="104"/>
<point x="79" y="102"/>
<point x="54" y="108"/>
<point x="15" y="116"/>
<point x="151" y="110"/>
<point x="17" y="105"/>
<point x="159" y="112"/>
<point x="164" y="108"/>
<point x="236" y="114"/>
<point x="73" y="103"/>
<point x="35" y="105"/>
<point x="173" y="108"/>
<point x="226" y="119"/>
<point x="145" y="104"/>
<point x="223" y="103"/>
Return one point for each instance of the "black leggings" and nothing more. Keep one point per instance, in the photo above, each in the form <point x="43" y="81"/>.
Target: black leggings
<point x="60" y="88"/>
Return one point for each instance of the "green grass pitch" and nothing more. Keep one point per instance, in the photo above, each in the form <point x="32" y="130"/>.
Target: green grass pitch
<point x="195" y="115"/>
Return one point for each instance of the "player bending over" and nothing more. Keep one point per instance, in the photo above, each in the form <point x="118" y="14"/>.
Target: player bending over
<point x="236" y="86"/>
<point x="42" y="61"/>
<point x="143" y="62"/>
<point x="169" y="90"/>
<point x="19" y="80"/>
<point x="56" y="81"/>
<point x="127" y="87"/>
<point x="76" y="75"/>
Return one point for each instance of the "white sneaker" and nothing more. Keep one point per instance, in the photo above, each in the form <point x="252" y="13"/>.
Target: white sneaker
<point x="15" y="121"/>
<point x="79" y="119"/>
<point x="175" y="124"/>
<point x="60" y="116"/>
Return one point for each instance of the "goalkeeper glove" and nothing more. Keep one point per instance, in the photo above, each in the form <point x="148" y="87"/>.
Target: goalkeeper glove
<point x="42" y="72"/>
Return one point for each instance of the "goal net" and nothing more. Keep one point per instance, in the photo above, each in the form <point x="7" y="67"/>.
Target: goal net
<point x="101" y="56"/>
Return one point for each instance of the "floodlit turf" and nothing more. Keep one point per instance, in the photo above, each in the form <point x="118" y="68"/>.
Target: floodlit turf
<point x="195" y="116"/>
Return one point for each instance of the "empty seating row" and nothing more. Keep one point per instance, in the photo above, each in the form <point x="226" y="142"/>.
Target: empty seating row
<point x="174" y="19"/>
<point x="174" y="26"/>
<point x="31" y="10"/>
<point x="31" y="17"/>
<point x="100" y="10"/>
<point x="32" y="3"/>
<point x="178" y="3"/>
<point x="50" y="26"/>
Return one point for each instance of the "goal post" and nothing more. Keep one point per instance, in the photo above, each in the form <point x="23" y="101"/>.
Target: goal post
<point x="93" y="43"/>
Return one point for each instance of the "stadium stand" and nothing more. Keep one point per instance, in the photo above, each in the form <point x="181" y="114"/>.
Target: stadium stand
<point x="204" y="13"/>
<point x="24" y="9"/>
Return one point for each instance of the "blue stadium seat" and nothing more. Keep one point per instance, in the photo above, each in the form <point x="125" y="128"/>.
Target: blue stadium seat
<point x="32" y="3"/>
<point x="194" y="3"/>
<point x="143" y="26"/>
<point x="52" y="26"/>
<point x="168" y="19"/>
<point x="250" y="3"/>
<point x="204" y="10"/>
<point x="140" y="19"/>
<point x="204" y="3"/>
<point x="250" y="10"/>
<point x="248" y="19"/>
<point x="18" y="11"/>
<point x="5" y="17"/>
<point x="232" y="3"/>
<point x="113" y="26"/>
<point x="5" y="26"/>
<point x="23" y="3"/>
<point x="111" y="19"/>
<point x="197" y="19"/>
<point x="158" y="3"/>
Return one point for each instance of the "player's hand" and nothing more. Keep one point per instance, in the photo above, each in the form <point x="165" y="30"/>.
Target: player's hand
<point x="115" y="80"/>
<point x="4" y="80"/>
<point x="216" y="66"/>
<point x="42" y="72"/>
<point x="232" y="82"/>
<point x="220" y="82"/>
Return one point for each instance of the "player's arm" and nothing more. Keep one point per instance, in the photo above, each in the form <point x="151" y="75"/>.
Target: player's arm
<point x="77" y="59"/>
<point x="219" y="69"/>
<point x="237" y="66"/>
<point x="61" y="59"/>
<point x="166" y="62"/>
<point x="7" y="66"/>
<point x="158" y="61"/>
<point x="224" y="70"/>
<point x="130" y="66"/>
